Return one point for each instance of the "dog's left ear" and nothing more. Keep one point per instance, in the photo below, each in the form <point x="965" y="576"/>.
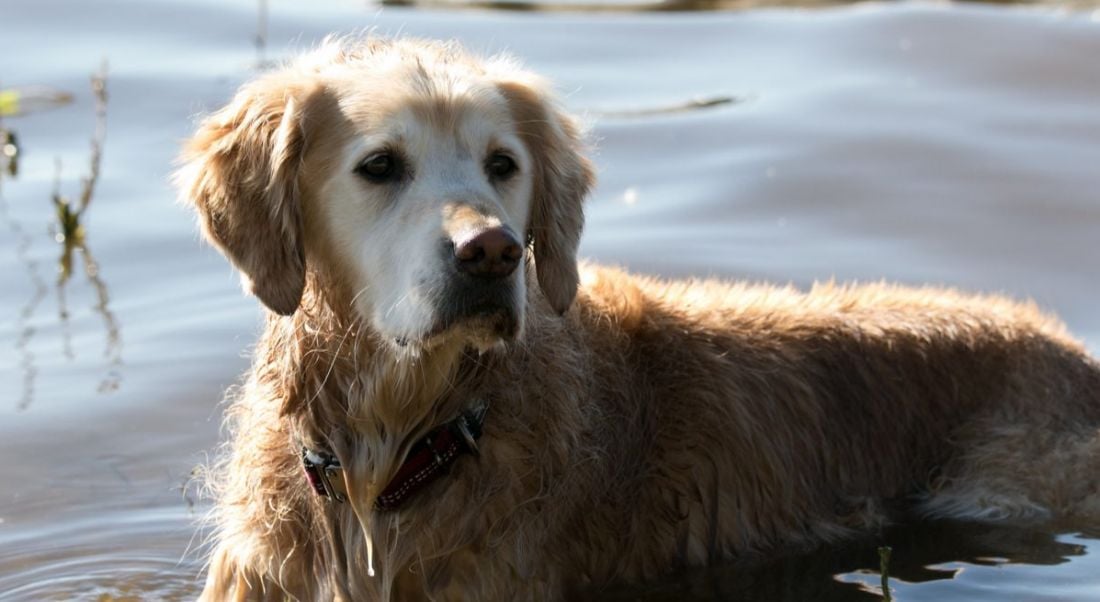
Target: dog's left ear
<point x="240" y="171"/>
<point x="562" y="178"/>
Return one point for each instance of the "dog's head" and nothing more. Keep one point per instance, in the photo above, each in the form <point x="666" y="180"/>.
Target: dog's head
<point x="409" y="173"/>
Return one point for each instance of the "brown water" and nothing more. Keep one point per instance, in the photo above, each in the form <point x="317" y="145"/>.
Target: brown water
<point x="950" y="144"/>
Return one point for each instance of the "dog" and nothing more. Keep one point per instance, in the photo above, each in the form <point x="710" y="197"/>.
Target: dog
<point x="445" y="405"/>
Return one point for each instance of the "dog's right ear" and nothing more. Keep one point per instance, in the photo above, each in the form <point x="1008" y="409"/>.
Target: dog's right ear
<point x="562" y="178"/>
<point x="240" y="171"/>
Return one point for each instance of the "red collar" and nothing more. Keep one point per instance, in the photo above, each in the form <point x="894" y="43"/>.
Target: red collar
<point x="428" y="459"/>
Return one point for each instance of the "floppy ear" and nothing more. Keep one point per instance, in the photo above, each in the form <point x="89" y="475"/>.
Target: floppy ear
<point x="562" y="178"/>
<point x="240" y="173"/>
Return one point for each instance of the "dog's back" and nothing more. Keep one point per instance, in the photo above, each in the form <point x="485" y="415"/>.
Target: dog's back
<point x="726" y="419"/>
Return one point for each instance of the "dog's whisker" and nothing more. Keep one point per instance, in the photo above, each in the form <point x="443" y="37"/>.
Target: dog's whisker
<point x="331" y="366"/>
<point x="362" y="290"/>
<point x="393" y="306"/>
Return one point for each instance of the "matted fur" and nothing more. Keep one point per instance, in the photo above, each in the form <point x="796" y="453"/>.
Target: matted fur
<point x="636" y="425"/>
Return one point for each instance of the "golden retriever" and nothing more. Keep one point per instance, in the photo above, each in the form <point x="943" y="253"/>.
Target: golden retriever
<point x="443" y="406"/>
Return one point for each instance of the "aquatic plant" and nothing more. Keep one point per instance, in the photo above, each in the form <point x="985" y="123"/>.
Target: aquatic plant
<point x="884" y="571"/>
<point x="70" y="233"/>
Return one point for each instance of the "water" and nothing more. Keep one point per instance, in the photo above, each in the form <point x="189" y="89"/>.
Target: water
<point x="952" y="144"/>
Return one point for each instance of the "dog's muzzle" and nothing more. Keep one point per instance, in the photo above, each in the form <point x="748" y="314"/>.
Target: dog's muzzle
<point x="480" y="292"/>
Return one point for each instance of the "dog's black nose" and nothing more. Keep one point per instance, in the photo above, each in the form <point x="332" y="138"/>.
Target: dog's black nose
<point x="491" y="252"/>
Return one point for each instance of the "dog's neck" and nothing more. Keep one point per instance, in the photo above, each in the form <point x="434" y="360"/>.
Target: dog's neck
<point x="359" y="395"/>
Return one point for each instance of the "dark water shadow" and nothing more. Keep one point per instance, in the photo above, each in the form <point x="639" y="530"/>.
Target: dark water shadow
<point x="920" y="553"/>
<point x="69" y="231"/>
<point x="687" y="106"/>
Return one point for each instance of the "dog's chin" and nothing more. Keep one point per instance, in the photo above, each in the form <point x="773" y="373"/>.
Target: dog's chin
<point x="488" y="330"/>
<point x="484" y="330"/>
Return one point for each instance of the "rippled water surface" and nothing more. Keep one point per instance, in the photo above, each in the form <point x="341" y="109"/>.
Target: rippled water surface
<point x="951" y="144"/>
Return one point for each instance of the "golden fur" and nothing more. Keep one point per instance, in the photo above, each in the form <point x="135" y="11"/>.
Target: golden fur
<point x="635" y="425"/>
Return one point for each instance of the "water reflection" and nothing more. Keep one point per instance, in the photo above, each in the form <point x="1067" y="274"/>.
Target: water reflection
<point x="920" y="553"/>
<point x="9" y="153"/>
<point x="69" y="231"/>
<point x="9" y="168"/>
<point x="23" y="241"/>
<point x="263" y="63"/>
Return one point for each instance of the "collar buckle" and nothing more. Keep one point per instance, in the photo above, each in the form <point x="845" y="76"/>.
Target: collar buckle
<point x="322" y="469"/>
<point x="469" y="424"/>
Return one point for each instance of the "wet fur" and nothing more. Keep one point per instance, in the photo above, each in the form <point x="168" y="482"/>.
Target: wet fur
<point x="652" y="425"/>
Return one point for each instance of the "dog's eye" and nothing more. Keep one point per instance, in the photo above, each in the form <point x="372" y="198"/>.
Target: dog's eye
<point x="500" y="166"/>
<point x="379" y="168"/>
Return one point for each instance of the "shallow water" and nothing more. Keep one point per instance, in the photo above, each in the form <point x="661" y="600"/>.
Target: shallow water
<point x="950" y="144"/>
